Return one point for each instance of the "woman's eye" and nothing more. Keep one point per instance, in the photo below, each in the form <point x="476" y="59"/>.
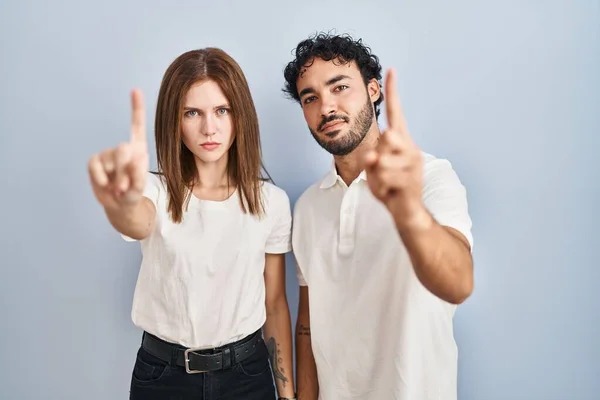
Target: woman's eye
<point x="222" y="111"/>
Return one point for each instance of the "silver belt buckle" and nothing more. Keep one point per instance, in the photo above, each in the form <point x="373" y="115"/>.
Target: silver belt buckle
<point x="186" y="361"/>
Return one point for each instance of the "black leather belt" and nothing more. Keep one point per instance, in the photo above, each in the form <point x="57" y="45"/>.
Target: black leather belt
<point x="197" y="361"/>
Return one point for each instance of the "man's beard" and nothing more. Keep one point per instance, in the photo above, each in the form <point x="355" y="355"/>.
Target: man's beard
<point x="359" y="129"/>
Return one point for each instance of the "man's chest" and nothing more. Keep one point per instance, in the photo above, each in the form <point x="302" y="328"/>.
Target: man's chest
<point x="351" y="222"/>
<point x="348" y="242"/>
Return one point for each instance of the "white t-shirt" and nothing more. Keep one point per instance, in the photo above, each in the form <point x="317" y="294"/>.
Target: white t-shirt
<point x="201" y="281"/>
<point x="377" y="333"/>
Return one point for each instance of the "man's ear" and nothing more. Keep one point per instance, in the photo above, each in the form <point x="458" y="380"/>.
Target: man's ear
<point x="374" y="90"/>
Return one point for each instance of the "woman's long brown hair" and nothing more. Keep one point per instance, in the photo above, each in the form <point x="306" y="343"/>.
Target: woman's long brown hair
<point x="176" y="161"/>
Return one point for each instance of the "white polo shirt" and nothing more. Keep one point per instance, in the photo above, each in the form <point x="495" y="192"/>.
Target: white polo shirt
<point x="201" y="282"/>
<point x="377" y="333"/>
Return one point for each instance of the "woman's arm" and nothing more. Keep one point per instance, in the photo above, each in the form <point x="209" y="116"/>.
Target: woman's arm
<point x="278" y="327"/>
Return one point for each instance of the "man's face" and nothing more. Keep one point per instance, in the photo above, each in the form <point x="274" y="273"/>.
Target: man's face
<point x="337" y="105"/>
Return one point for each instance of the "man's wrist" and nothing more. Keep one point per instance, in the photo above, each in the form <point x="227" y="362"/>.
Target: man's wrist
<point x="417" y="220"/>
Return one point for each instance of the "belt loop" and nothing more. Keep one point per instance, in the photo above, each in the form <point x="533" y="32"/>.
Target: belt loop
<point x="174" y="356"/>
<point x="226" y="357"/>
<point x="235" y="354"/>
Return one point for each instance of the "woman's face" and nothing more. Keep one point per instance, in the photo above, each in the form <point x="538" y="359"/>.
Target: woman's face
<point x="207" y="123"/>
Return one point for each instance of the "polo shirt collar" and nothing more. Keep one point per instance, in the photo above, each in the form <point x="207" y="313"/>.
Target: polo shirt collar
<point x="332" y="177"/>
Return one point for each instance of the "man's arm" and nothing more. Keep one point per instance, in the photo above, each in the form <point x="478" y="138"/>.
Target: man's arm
<point x="278" y="327"/>
<point x="306" y="369"/>
<point x="441" y="257"/>
<point x="395" y="173"/>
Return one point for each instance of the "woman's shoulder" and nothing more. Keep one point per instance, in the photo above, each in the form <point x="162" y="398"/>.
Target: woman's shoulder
<point x="156" y="181"/>
<point x="156" y="178"/>
<point x="275" y="199"/>
<point x="272" y="192"/>
<point x="155" y="187"/>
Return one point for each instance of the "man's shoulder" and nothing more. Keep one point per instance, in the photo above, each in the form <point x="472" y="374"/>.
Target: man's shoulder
<point x="433" y="164"/>
<point x="310" y="196"/>
<point x="430" y="159"/>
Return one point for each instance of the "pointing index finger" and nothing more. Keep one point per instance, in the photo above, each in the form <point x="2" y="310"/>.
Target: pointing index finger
<point x="138" y="117"/>
<point x="395" y="115"/>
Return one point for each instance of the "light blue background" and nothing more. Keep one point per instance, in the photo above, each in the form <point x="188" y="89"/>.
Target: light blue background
<point x="508" y="91"/>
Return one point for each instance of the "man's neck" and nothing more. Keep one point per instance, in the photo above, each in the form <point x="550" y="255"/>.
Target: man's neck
<point x="351" y="165"/>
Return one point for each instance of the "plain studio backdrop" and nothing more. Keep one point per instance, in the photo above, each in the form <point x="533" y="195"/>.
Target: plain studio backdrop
<point x="508" y="91"/>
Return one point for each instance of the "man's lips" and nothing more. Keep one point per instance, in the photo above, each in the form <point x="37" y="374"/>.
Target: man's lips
<point x="330" y="125"/>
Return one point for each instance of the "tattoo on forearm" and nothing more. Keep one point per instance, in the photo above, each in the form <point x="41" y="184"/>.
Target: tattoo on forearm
<point x="274" y="352"/>
<point x="303" y="330"/>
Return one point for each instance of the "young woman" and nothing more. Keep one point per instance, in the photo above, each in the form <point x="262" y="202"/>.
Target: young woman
<point x="213" y="236"/>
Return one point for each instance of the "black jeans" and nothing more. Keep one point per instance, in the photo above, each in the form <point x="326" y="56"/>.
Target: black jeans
<point x="251" y="379"/>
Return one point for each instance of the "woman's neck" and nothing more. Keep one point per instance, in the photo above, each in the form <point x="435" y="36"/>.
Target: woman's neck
<point x="214" y="182"/>
<point x="213" y="175"/>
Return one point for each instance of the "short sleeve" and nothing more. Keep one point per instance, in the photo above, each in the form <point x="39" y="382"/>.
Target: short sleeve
<point x="280" y="237"/>
<point x="298" y="247"/>
<point x="446" y="198"/>
<point x="152" y="192"/>
<point x="300" y="276"/>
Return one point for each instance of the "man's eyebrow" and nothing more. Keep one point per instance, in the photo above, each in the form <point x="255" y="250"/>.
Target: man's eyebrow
<point x="336" y="79"/>
<point x="306" y="91"/>
<point x="330" y="82"/>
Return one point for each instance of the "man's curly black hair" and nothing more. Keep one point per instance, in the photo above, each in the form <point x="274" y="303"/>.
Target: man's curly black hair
<point x="342" y="48"/>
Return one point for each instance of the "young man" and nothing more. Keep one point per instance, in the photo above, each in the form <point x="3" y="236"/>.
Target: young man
<point x="382" y="241"/>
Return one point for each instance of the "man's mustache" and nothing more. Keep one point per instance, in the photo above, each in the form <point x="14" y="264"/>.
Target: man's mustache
<point x="331" y="118"/>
